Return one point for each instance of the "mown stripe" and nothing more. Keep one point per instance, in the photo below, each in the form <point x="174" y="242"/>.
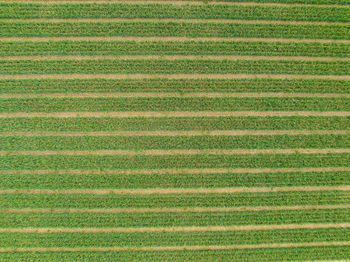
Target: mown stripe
<point x="172" y="76"/>
<point x="172" y="94"/>
<point x="182" y="170"/>
<point x="173" y="114"/>
<point x="169" y="210"/>
<point x="181" y="133"/>
<point x="169" y="57"/>
<point x="150" y="191"/>
<point x="174" y="229"/>
<point x="174" y="248"/>
<point x="171" y="20"/>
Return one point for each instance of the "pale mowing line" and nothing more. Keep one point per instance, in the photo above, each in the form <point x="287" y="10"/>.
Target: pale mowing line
<point x="166" y="20"/>
<point x="172" y="248"/>
<point x="161" y="114"/>
<point x="171" y="152"/>
<point x="182" y="133"/>
<point x="168" y="210"/>
<point x="184" y="2"/>
<point x="166" y="191"/>
<point x="170" y="57"/>
<point x="174" y="229"/>
<point x="172" y="76"/>
<point x="167" y="171"/>
<point x="167" y="39"/>
<point x="169" y="94"/>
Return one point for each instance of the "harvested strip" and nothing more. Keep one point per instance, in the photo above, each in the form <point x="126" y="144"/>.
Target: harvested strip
<point x="174" y="248"/>
<point x="174" y="229"/>
<point x="174" y="114"/>
<point x="173" y="94"/>
<point x="182" y="170"/>
<point x="113" y="20"/>
<point x="172" y="76"/>
<point x="172" y="57"/>
<point x="168" y="210"/>
<point x="157" y="152"/>
<point x="184" y="133"/>
<point x="151" y="191"/>
<point x="169" y="38"/>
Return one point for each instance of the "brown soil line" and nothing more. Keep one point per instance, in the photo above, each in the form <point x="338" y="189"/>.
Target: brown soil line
<point x="164" y="152"/>
<point x="185" y="2"/>
<point x="172" y="57"/>
<point x="155" y="114"/>
<point x="173" y="76"/>
<point x="170" y="38"/>
<point x="169" y="210"/>
<point x="150" y="191"/>
<point x="175" y="229"/>
<point x="168" y="20"/>
<point x="173" y="248"/>
<point x="183" y="133"/>
<point x="171" y="94"/>
<point x="182" y="171"/>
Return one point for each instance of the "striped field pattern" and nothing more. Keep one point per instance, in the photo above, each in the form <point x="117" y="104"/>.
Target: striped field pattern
<point x="145" y="130"/>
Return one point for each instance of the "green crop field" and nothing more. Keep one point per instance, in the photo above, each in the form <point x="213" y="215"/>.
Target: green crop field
<point x="185" y="130"/>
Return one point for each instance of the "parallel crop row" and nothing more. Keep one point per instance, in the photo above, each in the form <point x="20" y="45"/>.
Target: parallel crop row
<point x="175" y="142"/>
<point x="190" y="29"/>
<point x="127" y="10"/>
<point x="174" y="219"/>
<point x="188" y="47"/>
<point x="70" y="180"/>
<point x="176" y="66"/>
<point x="174" y="104"/>
<point x="173" y="85"/>
<point x="174" y="123"/>
<point x="262" y="254"/>
<point x="173" y="200"/>
<point x="297" y="160"/>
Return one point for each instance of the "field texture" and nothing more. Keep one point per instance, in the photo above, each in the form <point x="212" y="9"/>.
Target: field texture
<point x="175" y="130"/>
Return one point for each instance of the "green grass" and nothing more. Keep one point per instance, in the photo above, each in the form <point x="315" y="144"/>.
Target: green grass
<point x="173" y="200"/>
<point x="173" y="85"/>
<point x="174" y="104"/>
<point x="14" y="162"/>
<point x="171" y="239"/>
<point x="57" y="220"/>
<point x="177" y="66"/>
<point x="109" y="47"/>
<point x="69" y="180"/>
<point x="164" y="10"/>
<point x="200" y="29"/>
<point x="174" y="123"/>
<point x="276" y="254"/>
<point x="13" y="143"/>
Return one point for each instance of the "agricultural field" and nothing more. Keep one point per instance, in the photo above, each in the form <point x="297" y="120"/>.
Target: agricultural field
<point x="175" y="130"/>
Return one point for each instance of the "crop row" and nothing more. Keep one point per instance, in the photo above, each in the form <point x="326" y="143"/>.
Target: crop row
<point x="173" y="200"/>
<point x="188" y="47"/>
<point x="174" y="123"/>
<point x="171" y="239"/>
<point x="189" y="29"/>
<point x="249" y="255"/>
<point x="173" y="219"/>
<point x="176" y="66"/>
<point x="130" y="10"/>
<point x="87" y="142"/>
<point x="70" y="180"/>
<point x="173" y="104"/>
<point x="173" y="85"/>
<point x="297" y="160"/>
